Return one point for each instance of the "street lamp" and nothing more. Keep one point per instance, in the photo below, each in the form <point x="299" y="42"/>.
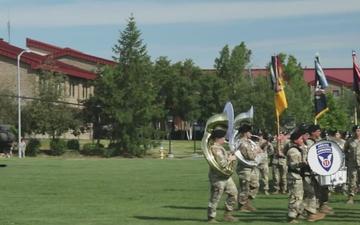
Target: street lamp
<point x="170" y="124"/>
<point x="19" y="97"/>
<point x="194" y="135"/>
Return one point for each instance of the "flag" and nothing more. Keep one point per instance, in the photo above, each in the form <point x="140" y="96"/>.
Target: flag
<point x="356" y="77"/>
<point x="277" y="82"/>
<point x="319" y="94"/>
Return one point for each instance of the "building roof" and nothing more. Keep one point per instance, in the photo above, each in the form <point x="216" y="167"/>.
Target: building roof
<point x="57" y="52"/>
<point x="49" y="62"/>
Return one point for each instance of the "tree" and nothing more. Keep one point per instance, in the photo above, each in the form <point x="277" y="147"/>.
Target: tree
<point x="48" y="114"/>
<point x="127" y="94"/>
<point x="8" y="113"/>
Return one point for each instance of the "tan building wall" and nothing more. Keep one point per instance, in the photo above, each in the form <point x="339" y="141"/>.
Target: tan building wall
<point x="8" y="77"/>
<point x="85" y="65"/>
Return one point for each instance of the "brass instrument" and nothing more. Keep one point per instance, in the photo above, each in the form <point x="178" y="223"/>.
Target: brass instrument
<point x="245" y="118"/>
<point x="214" y="121"/>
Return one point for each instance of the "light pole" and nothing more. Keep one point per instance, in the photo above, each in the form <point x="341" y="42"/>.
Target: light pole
<point x="19" y="98"/>
<point x="194" y="135"/>
<point x="170" y="123"/>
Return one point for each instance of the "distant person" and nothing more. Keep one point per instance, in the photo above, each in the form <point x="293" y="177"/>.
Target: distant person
<point x="22" y="148"/>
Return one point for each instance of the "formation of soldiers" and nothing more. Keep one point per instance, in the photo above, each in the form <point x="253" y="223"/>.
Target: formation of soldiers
<point x="286" y="155"/>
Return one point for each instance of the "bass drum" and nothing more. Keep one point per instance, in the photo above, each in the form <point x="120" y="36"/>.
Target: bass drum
<point x="325" y="158"/>
<point x="338" y="178"/>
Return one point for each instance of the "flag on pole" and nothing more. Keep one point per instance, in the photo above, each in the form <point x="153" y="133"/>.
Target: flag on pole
<point x="356" y="77"/>
<point x="319" y="94"/>
<point x="277" y="81"/>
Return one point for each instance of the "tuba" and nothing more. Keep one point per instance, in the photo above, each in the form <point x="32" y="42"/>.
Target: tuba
<point x="243" y="118"/>
<point x="224" y="119"/>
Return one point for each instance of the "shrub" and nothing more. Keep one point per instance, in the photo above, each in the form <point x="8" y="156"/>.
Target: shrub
<point x="33" y="147"/>
<point x="57" y="146"/>
<point x="92" y="149"/>
<point x="73" y="144"/>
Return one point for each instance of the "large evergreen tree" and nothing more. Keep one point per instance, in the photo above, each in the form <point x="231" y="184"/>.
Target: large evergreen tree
<point x="127" y="93"/>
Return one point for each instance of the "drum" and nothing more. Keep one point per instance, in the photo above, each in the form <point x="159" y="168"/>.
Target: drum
<point x="325" y="158"/>
<point x="338" y="178"/>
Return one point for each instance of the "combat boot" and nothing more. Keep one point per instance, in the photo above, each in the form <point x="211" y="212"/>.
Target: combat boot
<point x="292" y="220"/>
<point x="266" y="193"/>
<point x="327" y="210"/>
<point x="247" y="207"/>
<point x="350" y="200"/>
<point x="315" y="217"/>
<point x="228" y="217"/>
<point x="212" y="220"/>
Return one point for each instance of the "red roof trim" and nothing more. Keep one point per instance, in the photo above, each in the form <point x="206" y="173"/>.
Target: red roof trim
<point x="39" y="62"/>
<point x="58" y="52"/>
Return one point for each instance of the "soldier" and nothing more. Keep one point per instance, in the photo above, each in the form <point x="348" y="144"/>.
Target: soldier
<point x="220" y="183"/>
<point x="268" y="149"/>
<point x="352" y="157"/>
<point x="279" y="166"/>
<point x="322" y="192"/>
<point x="296" y="164"/>
<point x="248" y="175"/>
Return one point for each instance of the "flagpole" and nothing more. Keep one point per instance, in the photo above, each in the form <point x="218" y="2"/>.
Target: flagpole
<point x="355" y="116"/>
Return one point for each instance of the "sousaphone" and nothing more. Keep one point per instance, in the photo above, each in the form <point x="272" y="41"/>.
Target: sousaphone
<point x="225" y="120"/>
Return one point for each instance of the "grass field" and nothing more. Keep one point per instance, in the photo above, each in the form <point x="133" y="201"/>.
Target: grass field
<point x="83" y="191"/>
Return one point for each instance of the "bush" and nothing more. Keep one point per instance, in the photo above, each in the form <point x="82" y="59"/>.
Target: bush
<point x="73" y="144"/>
<point x="93" y="149"/>
<point x="33" y="147"/>
<point x="57" y="146"/>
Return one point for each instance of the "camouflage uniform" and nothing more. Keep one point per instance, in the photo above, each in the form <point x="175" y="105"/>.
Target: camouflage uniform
<point x="219" y="183"/>
<point x="352" y="156"/>
<point x="309" y="183"/>
<point x="279" y="169"/>
<point x="295" y="181"/>
<point x="321" y="192"/>
<point x="268" y="149"/>
<point x="248" y="176"/>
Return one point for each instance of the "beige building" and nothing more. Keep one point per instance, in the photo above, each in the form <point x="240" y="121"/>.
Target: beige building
<point x="79" y="69"/>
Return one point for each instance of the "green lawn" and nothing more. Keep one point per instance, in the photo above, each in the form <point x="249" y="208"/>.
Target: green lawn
<point x="58" y="191"/>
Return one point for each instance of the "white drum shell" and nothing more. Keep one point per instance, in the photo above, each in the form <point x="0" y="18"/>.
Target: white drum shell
<point x="338" y="178"/>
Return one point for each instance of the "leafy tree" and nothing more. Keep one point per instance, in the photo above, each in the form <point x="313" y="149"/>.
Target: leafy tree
<point x="8" y="111"/>
<point x="47" y="114"/>
<point x="336" y="117"/>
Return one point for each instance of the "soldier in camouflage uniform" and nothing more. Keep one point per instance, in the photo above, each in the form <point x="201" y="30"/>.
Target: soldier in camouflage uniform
<point x="297" y="164"/>
<point x="352" y="157"/>
<point x="279" y="165"/>
<point x="322" y="192"/>
<point x="248" y="175"/>
<point x="268" y="149"/>
<point x="219" y="183"/>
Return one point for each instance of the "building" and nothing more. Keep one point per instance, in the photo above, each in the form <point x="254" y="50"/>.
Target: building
<point x="78" y="67"/>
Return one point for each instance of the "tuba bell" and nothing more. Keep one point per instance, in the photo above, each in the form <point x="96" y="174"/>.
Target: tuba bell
<point x="215" y="121"/>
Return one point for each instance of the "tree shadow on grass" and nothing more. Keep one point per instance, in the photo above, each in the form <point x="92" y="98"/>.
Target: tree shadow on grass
<point x="185" y="207"/>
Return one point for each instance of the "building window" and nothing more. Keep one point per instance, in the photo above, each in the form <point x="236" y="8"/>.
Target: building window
<point x="336" y="93"/>
<point x="85" y="91"/>
<point x="71" y="89"/>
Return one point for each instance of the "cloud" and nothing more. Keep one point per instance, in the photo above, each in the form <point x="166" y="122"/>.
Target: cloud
<point x="80" y="13"/>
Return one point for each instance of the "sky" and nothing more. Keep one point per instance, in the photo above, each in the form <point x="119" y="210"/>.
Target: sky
<point x="193" y="29"/>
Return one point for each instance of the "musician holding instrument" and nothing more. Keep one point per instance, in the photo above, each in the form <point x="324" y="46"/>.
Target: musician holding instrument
<point x="279" y="165"/>
<point x="296" y="165"/>
<point x="268" y="149"/>
<point x="352" y="158"/>
<point x="322" y="192"/>
<point x="220" y="183"/>
<point x="248" y="175"/>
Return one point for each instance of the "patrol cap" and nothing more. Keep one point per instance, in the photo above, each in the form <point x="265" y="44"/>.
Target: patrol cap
<point x="245" y="128"/>
<point x="296" y="134"/>
<point x="313" y="127"/>
<point x="355" y="128"/>
<point x="218" y="132"/>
